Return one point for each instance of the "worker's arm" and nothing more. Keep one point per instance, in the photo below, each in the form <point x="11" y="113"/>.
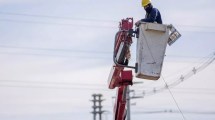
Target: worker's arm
<point x="152" y="17"/>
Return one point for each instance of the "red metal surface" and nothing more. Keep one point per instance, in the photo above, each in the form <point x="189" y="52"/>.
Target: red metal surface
<point x="126" y="24"/>
<point x="120" y="103"/>
<point x="119" y="77"/>
<point x="127" y="76"/>
<point x="114" y="76"/>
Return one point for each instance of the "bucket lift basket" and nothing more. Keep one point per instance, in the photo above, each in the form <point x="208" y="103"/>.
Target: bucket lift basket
<point x="151" y="46"/>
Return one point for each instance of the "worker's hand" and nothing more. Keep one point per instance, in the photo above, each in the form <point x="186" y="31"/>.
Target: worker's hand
<point x="138" y="23"/>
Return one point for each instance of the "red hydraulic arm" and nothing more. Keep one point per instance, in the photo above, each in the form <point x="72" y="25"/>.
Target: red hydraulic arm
<point x="118" y="76"/>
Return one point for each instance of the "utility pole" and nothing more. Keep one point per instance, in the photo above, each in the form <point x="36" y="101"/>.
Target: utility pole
<point x="128" y="98"/>
<point x="128" y="103"/>
<point x="97" y="106"/>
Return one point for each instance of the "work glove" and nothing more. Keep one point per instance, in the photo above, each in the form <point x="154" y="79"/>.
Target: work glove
<point x="138" y="23"/>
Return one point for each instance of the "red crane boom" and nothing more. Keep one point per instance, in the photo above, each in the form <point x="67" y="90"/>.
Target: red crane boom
<point x="118" y="76"/>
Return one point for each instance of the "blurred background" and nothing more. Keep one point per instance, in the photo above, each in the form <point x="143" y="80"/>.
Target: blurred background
<point x="55" y="54"/>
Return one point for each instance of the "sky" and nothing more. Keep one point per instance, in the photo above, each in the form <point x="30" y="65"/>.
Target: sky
<point x="55" y="54"/>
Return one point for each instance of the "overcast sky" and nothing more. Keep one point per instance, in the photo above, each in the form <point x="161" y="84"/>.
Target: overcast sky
<point x="55" y="54"/>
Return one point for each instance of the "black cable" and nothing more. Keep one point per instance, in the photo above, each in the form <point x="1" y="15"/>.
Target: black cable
<point x="84" y="51"/>
<point x="182" y="78"/>
<point x="52" y="83"/>
<point x="53" y="55"/>
<point x="172" y="111"/>
<point x="84" y="19"/>
<point x="55" y="23"/>
<point x="56" y="17"/>
<point x="173" y="98"/>
<point x="55" y="49"/>
<point x="53" y="87"/>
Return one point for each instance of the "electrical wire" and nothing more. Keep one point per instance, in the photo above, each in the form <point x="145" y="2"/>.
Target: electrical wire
<point x="182" y="77"/>
<point x="52" y="83"/>
<point x="200" y="60"/>
<point x="53" y="87"/>
<point x="55" y="49"/>
<point x="92" y="26"/>
<point x="55" y="23"/>
<point x="69" y="85"/>
<point x="173" y="98"/>
<point x="56" y="55"/>
<point x="55" y="17"/>
<point x="88" y="51"/>
<point x="77" y="25"/>
<point x="84" y="19"/>
<point x="91" y="52"/>
<point x="172" y="111"/>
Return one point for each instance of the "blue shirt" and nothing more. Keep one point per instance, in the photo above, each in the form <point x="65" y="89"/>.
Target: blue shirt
<point x="153" y="16"/>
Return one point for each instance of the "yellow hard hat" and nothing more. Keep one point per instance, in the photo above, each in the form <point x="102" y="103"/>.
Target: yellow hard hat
<point x="145" y="2"/>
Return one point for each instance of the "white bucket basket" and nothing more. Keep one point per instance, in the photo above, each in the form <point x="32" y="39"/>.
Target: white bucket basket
<point x="151" y="47"/>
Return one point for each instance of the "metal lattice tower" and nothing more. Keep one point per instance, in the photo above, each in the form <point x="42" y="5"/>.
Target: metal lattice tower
<point x="97" y="106"/>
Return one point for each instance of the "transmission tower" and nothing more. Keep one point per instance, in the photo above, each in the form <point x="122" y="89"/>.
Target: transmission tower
<point x="97" y="106"/>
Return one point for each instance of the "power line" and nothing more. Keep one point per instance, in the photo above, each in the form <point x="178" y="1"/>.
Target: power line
<point x="69" y="85"/>
<point x="80" y="25"/>
<point x="182" y="77"/>
<point x="41" y="85"/>
<point x="173" y="98"/>
<point x="55" y="17"/>
<point x="89" y="56"/>
<point x="53" y="87"/>
<point x="202" y="60"/>
<point x="55" y="23"/>
<point x="84" y="19"/>
<point x="54" y="49"/>
<point x="197" y="26"/>
<point x="194" y="89"/>
<point x="52" y="83"/>
<point x="188" y="91"/>
<point x="76" y="25"/>
<point x="85" y="53"/>
<point x="173" y="111"/>
<point x="73" y="51"/>
<point x="178" y="81"/>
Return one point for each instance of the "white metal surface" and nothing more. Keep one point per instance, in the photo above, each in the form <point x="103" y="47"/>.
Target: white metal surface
<point x="151" y="47"/>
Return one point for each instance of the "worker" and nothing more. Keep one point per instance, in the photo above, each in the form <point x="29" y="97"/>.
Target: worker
<point x="152" y="14"/>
